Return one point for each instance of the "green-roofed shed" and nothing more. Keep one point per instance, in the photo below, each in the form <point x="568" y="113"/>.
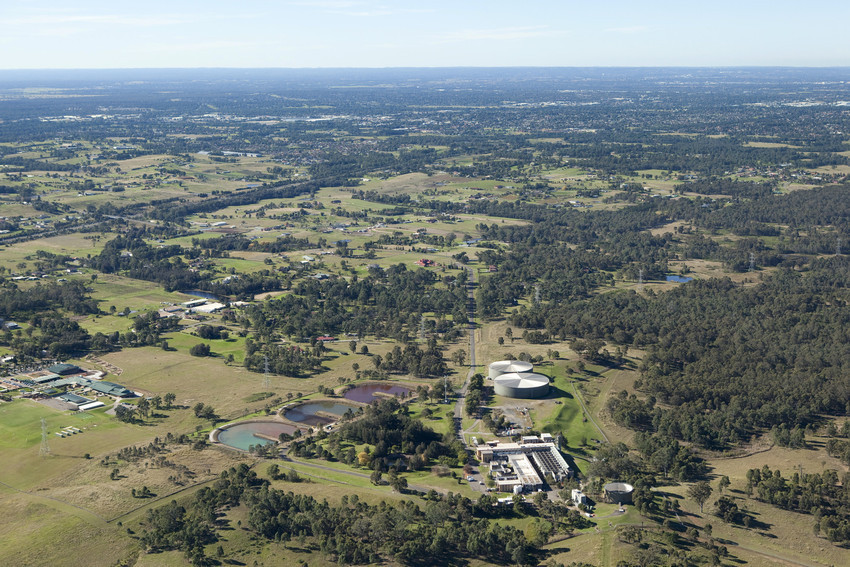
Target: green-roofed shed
<point x="46" y="377"/>
<point x="64" y="369"/>
<point x="75" y="399"/>
<point x="110" y="389"/>
<point x="73" y="381"/>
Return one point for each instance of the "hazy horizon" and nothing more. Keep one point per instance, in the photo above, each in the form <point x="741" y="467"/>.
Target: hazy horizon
<point x="367" y="34"/>
<point x="425" y="67"/>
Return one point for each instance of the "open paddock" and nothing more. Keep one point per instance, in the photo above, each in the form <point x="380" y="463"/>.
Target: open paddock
<point x="784" y="537"/>
<point x="183" y="341"/>
<point x="113" y="289"/>
<point x="29" y="542"/>
<point x="20" y="441"/>
<point x="89" y="486"/>
<point x="194" y="379"/>
<point x="73" y="245"/>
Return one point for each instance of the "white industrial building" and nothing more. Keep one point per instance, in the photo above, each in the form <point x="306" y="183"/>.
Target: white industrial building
<point x="208" y="308"/>
<point x="578" y="497"/>
<point x="521" y="467"/>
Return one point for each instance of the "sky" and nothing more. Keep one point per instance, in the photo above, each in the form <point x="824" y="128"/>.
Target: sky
<point x="97" y="34"/>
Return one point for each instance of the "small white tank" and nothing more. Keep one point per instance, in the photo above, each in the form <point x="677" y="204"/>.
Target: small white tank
<point x="496" y="369"/>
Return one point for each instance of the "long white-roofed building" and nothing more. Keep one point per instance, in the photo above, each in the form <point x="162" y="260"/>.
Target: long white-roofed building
<point x="523" y="465"/>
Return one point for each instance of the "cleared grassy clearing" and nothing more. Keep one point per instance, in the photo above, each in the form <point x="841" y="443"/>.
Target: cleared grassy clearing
<point x="813" y="459"/>
<point x="90" y="486"/>
<point x="20" y="424"/>
<point x="705" y="269"/>
<point x="567" y="418"/>
<point x="194" y="379"/>
<point x="769" y="145"/>
<point x="334" y="492"/>
<point x="28" y="523"/>
<point x="833" y="169"/>
<point x="72" y="245"/>
<point x="17" y="209"/>
<point x="221" y="348"/>
<point x="334" y="472"/>
<point x="238" y="266"/>
<point x="784" y="535"/>
<point x="444" y="484"/>
<point x="440" y="419"/>
<point x="113" y="289"/>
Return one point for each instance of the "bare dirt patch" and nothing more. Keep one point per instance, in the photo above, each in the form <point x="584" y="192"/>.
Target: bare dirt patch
<point x="705" y="269"/>
<point x="267" y="295"/>
<point x="669" y="227"/>
<point x="57" y="404"/>
<point x="252" y="256"/>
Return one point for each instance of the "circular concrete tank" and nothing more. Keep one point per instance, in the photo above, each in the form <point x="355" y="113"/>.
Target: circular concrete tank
<point x="524" y="385"/>
<point x="619" y="492"/>
<point x="496" y="369"/>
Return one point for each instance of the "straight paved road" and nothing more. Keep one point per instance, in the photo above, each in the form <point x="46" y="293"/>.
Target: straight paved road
<point x="471" y="325"/>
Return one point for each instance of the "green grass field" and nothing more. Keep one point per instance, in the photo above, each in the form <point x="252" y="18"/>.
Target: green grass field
<point x="182" y="341"/>
<point x="38" y="531"/>
<point x="120" y="291"/>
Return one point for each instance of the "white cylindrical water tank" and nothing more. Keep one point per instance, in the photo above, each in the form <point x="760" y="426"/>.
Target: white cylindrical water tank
<point x="524" y="385"/>
<point x="506" y="366"/>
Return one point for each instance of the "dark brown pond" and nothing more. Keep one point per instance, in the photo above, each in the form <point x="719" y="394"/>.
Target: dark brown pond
<point x="366" y="393"/>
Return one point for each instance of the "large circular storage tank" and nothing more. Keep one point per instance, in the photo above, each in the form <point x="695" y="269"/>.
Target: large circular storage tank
<point x="619" y="492"/>
<point x="508" y="366"/>
<point x="522" y="385"/>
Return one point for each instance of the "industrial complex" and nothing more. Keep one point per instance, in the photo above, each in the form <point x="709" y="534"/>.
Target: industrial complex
<point x="524" y="466"/>
<point x="70" y="385"/>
